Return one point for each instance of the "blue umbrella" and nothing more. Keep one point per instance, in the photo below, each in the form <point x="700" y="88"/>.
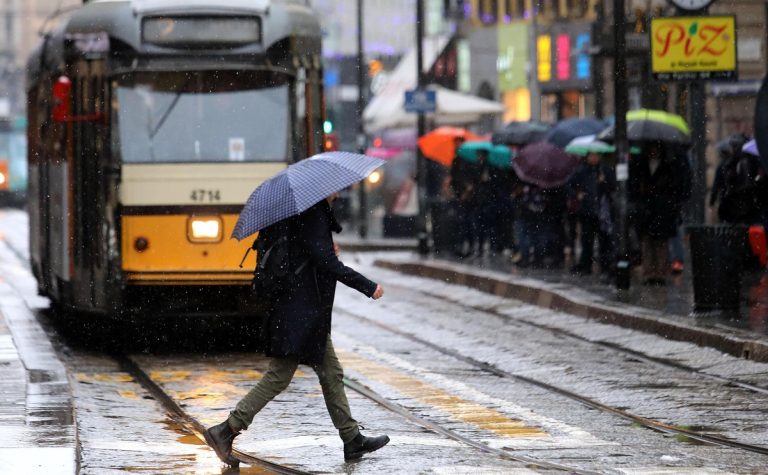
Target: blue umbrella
<point x="566" y="130"/>
<point x="299" y="187"/>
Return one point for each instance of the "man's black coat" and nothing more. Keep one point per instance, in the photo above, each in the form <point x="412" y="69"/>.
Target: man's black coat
<point x="299" y="319"/>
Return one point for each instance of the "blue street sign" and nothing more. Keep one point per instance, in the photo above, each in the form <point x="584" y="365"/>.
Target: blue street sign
<point x="420" y="100"/>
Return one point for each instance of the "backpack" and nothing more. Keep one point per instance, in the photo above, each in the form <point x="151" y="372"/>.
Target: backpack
<point x="272" y="274"/>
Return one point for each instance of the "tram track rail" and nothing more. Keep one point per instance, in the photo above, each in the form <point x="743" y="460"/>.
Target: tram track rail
<point x="603" y="344"/>
<point x="592" y="403"/>
<point x="179" y="415"/>
<point x="439" y="429"/>
<point x="192" y="425"/>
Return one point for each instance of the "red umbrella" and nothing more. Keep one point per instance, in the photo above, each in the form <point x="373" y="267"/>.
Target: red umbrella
<point x="440" y="144"/>
<point x="544" y="164"/>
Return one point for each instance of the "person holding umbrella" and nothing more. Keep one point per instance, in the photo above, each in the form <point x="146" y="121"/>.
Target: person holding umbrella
<point x="591" y="189"/>
<point x="298" y="324"/>
<point x="659" y="184"/>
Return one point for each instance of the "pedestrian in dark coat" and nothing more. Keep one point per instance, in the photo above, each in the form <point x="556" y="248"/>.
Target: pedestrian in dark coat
<point x="299" y="321"/>
<point x="298" y="331"/>
<point x="464" y="178"/>
<point x="659" y="184"/>
<point x="591" y="190"/>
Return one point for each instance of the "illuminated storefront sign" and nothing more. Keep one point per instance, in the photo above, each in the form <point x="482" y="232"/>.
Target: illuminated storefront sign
<point x="512" y="61"/>
<point x="544" y="54"/>
<point x="684" y="48"/>
<point x="567" y="66"/>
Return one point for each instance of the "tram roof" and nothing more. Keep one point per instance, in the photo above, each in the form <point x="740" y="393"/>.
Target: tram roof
<point x="121" y="21"/>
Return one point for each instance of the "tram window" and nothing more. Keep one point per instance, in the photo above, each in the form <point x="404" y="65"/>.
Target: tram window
<point x="210" y="116"/>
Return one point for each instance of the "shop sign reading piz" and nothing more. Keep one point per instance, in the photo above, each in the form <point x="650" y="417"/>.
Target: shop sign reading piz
<point x="690" y="48"/>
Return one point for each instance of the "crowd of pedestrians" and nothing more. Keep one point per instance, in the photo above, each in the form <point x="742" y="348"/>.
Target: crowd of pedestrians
<point x="496" y="212"/>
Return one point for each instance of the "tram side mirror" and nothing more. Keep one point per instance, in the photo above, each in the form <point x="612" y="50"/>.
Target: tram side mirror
<point x="62" y="99"/>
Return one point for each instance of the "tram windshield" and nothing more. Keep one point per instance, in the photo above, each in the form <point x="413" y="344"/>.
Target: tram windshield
<point x="203" y="116"/>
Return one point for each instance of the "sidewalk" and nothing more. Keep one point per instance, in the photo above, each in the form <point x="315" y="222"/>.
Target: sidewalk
<point x="37" y="429"/>
<point x="664" y="311"/>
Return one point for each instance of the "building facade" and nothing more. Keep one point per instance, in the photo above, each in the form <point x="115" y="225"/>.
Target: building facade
<point x="21" y="22"/>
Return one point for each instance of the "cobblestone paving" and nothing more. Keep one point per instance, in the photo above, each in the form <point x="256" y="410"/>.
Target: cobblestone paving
<point x="122" y="429"/>
<point x="444" y="317"/>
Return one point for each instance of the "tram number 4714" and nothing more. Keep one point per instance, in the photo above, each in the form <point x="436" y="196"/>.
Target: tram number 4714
<point x="205" y="196"/>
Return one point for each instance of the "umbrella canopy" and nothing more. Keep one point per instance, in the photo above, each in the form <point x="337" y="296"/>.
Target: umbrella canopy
<point x="647" y="125"/>
<point x="440" y="144"/>
<point x="588" y="144"/>
<point x="544" y="164"/>
<point x="468" y="150"/>
<point x="499" y="156"/>
<point x="520" y="133"/>
<point x="751" y="148"/>
<point x="566" y="130"/>
<point x="299" y="187"/>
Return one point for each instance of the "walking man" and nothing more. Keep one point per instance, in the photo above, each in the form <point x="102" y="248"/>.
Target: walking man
<point x="298" y="331"/>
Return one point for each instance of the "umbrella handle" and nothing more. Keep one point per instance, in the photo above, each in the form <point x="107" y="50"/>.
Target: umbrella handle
<point x="244" y="257"/>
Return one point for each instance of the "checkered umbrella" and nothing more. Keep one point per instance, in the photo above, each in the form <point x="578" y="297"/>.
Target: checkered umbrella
<point x="300" y="186"/>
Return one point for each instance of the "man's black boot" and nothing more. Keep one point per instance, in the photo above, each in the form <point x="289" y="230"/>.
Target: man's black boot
<point x="361" y="445"/>
<point x="219" y="438"/>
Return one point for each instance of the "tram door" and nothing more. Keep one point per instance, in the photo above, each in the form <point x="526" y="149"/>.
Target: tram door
<point x="90" y="147"/>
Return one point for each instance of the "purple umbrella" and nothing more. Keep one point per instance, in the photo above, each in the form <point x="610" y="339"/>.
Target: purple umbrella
<point x="544" y="165"/>
<point x="751" y="148"/>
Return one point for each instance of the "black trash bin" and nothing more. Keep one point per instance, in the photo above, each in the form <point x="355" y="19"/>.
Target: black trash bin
<point x="717" y="255"/>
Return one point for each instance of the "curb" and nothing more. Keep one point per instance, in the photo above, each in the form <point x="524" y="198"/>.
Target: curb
<point x="652" y="322"/>
<point x="368" y="246"/>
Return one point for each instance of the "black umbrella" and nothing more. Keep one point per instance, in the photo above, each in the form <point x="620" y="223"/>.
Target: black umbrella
<point x="566" y="130"/>
<point x="520" y="133"/>
<point x="647" y="125"/>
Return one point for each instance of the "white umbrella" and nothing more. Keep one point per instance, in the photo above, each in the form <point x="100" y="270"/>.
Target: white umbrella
<point x="588" y="144"/>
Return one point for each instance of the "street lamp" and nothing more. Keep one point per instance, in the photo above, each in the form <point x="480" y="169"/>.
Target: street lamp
<point x="361" y="141"/>
<point x="623" y="267"/>
<point x="421" y="174"/>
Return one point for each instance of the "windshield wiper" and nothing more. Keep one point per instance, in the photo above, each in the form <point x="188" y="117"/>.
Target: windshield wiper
<point x="165" y="116"/>
<point x="170" y="108"/>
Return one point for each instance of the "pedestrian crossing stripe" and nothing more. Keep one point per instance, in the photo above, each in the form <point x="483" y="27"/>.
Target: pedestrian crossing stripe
<point x="458" y="408"/>
<point x="560" y="434"/>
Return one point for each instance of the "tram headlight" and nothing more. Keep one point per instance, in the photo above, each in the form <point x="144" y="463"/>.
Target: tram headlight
<point x="3" y="179"/>
<point x="204" y="229"/>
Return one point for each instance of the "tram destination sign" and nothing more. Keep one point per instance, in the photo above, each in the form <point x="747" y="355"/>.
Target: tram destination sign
<point x="692" y="48"/>
<point x="201" y="32"/>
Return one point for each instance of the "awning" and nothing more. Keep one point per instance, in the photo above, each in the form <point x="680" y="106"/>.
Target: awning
<point x="387" y="110"/>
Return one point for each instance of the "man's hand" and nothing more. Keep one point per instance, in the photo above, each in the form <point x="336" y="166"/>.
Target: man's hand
<point x="336" y="249"/>
<point x="378" y="293"/>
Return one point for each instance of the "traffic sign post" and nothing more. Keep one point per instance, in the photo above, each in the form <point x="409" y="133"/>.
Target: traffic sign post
<point x="420" y="101"/>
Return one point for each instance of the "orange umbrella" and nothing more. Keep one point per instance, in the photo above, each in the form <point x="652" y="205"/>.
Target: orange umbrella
<point x="440" y="145"/>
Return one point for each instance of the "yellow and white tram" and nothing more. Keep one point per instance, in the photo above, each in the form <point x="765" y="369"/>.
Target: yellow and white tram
<point x="150" y="122"/>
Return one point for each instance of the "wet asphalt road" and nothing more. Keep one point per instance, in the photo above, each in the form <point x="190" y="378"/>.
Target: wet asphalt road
<point x="120" y="428"/>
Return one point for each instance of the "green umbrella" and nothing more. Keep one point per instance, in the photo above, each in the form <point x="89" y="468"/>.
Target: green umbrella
<point x="499" y="156"/>
<point x="468" y="150"/>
